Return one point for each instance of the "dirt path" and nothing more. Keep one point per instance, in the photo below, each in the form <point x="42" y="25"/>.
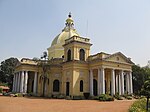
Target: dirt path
<point x="16" y="104"/>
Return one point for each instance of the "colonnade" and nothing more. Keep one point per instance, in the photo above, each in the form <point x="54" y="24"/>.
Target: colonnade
<point x="20" y="82"/>
<point x="117" y="82"/>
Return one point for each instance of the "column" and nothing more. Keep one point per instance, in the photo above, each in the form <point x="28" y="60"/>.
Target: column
<point x="18" y="82"/>
<point x="99" y="81"/>
<point x="91" y="82"/>
<point x="127" y="83"/>
<point x="35" y="83"/>
<point x="119" y="84"/>
<point x="102" y="81"/>
<point x="26" y="82"/>
<point x="15" y="82"/>
<point x="112" y="82"/>
<point x="130" y="82"/>
<point x="122" y="83"/>
<point x="21" y="81"/>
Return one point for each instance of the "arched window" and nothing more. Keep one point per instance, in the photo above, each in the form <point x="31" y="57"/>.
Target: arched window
<point x="56" y="86"/>
<point x="81" y="86"/>
<point x="69" y="55"/>
<point x="82" y="55"/>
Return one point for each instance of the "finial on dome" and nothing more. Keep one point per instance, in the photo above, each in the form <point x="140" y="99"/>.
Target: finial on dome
<point x="69" y="15"/>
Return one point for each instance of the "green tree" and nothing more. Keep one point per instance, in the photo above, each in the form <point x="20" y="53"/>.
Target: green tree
<point x="138" y="78"/>
<point x="140" y="75"/>
<point x="146" y="92"/>
<point x="7" y="69"/>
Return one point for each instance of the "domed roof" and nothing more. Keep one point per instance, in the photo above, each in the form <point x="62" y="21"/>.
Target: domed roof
<point x="66" y="33"/>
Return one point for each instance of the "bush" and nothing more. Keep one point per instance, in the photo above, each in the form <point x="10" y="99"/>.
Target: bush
<point x="118" y="97"/>
<point x="95" y="97"/>
<point x="61" y="96"/>
<point x="105" y="97"/>
<point x="138" y="106"/>
<point x="1" y="90"/>
<point x="77" y="97"/>
<point x="126" y="96"/>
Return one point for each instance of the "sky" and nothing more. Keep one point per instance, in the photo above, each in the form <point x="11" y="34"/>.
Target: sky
<point x="27" y="27"/>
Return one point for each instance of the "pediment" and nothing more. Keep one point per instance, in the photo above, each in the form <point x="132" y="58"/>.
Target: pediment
<point x="118" y="57"/>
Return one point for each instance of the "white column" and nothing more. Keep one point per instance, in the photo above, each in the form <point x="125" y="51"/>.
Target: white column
<point x="18" y="82"/>
<point x="130" y="81"/>
<point x="102" y="81"/>
<point x="113" y="82"/>
<point x="26" y="81"/>
<point x="119" y="84"/>
<point x="15" y="82"/>
<point x="122" y="83"/>
<point x="99" y="81"/>
<point x="21" y="81"/>
<point x="91" y="82"/>
<point x="127" y="83"/>
<point x="35" y="83"/>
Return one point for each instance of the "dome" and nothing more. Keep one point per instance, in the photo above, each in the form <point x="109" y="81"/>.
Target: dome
<point x="66" y="33"/>
<point x="56" y="50"/>
<point x="60" y="39"/>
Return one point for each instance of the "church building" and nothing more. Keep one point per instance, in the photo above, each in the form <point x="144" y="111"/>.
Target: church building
<point x="68" y="69"/>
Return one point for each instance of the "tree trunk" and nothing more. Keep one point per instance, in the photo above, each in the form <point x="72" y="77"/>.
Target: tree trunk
<point x="147" y="104"/>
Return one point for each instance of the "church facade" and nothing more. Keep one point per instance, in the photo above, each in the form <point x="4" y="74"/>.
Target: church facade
<point x="70" y="70"/>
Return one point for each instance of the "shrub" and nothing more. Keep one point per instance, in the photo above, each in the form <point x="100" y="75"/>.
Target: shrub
<point x="118" y="97"/>
<point x="1" y="90"/>
<point x="61" y="96"/>
<point x="95" y="97"/>
<point x="77" y="97"/>
<point x="105" y="97"/>
<point x="126" y="96"/>
<point x="138" y="106"/>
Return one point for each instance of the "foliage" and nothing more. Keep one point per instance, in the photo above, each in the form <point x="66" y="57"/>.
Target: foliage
<point x="7" y="69"/>
<point x="77" y="97"/>
<point x="1" y="90"/>
<point x="3" y="84"/>
<point x="126" y="96"/>
<point x="140" y="75"/>
<point x="146" y="91"/>
<point x="118" y="97"/>
<point x="105" y="97"/>
<point x="138" y="106"/>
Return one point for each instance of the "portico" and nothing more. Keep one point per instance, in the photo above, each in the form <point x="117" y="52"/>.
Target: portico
<point x="111" y="81"/>
<point x="22" y="80"/>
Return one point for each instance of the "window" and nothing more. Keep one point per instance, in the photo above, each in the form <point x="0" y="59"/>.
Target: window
<point x="56" y="86"/>
<point x="69" y="55"/>
<point x="81" y="86"/>
<point x="82" y="55"/>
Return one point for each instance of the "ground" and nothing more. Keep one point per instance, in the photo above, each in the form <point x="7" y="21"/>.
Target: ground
<point x="21" y="104"/>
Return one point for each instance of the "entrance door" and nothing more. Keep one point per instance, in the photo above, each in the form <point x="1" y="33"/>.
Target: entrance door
<point x="95" y="87"/>
<point x="67" y="88"/>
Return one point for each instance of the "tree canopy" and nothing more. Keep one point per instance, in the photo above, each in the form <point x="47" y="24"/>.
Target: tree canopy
<point x="140" y="75"/>
<point x="7" y="69"/>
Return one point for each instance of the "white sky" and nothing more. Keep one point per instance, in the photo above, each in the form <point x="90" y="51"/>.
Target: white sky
<point x="27" y="27"/>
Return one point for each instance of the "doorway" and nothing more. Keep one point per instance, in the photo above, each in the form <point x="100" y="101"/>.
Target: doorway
<point x="94" y="87"/>
<point x="67" y="88"/>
